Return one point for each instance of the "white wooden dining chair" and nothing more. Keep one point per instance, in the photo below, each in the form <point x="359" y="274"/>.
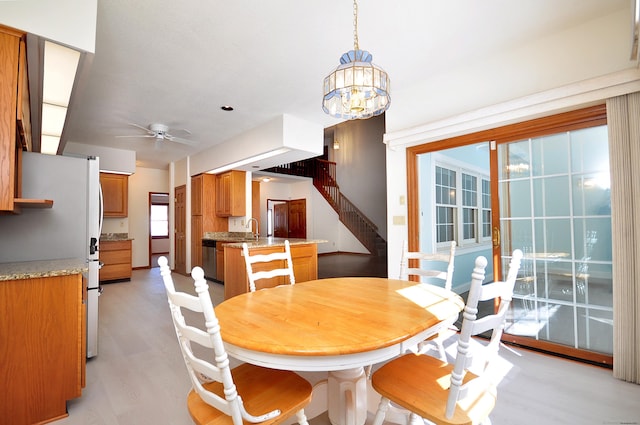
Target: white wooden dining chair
<point x="439" y="265"/>
<point x="435" y="268"/>
<point x="221" y="395"/>
<point x="267" y="266"/>
<point x="451" y="393"/>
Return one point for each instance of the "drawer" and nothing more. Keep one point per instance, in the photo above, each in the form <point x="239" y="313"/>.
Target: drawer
<point x="115" y="271"/>
<point x="114" y="245"/>
<point x="115" y="257"/>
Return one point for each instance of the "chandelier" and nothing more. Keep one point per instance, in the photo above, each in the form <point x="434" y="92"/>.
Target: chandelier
<point x="357" y="89"/>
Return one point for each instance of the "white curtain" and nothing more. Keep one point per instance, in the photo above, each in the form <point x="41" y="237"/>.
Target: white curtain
<point x="623" y="120"/>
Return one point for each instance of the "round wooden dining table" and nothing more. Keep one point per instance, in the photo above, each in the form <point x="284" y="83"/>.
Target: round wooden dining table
<point x="337" y="325"/>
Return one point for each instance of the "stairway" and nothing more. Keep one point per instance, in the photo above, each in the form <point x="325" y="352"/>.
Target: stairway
<point x="323" y="174"/>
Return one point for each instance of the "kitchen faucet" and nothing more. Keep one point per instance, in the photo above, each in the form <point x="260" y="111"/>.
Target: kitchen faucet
<point x="257" y="235"/>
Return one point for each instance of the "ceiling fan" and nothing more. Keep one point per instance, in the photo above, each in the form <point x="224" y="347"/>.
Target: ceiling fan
<point x="161" y="132"/>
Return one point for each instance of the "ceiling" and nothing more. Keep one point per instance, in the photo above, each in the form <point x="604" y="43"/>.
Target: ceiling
<point x="177" y="63"/>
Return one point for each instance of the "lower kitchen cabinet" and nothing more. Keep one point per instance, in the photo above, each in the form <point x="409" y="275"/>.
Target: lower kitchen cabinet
<point x="116" y="257"/>
<point x="42" y="354"/>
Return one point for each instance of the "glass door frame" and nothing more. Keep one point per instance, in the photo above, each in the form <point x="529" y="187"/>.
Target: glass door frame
<point x="566" y="121"/>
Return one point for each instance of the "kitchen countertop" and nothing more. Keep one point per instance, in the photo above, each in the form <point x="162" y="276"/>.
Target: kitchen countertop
<point x="42" y="268"/>
<point x="271" y="241"/>
<point x="236" y="239"/>
<point x="228" y="236"/>
<point x="106" y="237"/>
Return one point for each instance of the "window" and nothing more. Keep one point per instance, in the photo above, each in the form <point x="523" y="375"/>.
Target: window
<point x="465" y="218"/>
<point x="445" y="204"/>
<point x="486" y="209"/>
<point x="159" y="220"/>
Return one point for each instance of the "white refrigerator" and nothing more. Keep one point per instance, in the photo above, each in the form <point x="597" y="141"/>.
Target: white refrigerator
<point x="70" y="229"/>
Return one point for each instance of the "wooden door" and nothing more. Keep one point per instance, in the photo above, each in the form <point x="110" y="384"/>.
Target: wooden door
<point x="280" y="220"/>
<point x="298" y="218"/>
<point x="180" y="233"/>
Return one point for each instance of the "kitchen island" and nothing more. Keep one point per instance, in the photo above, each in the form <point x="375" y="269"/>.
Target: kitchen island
<point x="304" y="253"/>
<point x="42" y="329"/>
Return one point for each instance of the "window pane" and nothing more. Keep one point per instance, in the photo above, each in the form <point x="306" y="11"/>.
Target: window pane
<point x="469" y="223"/>
<point x="590" y="150"/>
<point x="469" y="190"/>
<point x="550" y="154"/>
<point x="516" y="198"/>
<point x="444" y="224"/>
<point x="551" y="196"/>
<point x="159" y="220"/>
<point x="486" y="194"/>
<point x="486" y="223"/>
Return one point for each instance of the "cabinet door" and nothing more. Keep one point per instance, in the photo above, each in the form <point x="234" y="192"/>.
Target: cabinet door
<point x="220" y="261"/>
<point x="196" y="195"/>
<point x="223" y="195"/>
<point x="115" y="191"/>
<point x="9" y="48"/>
<point x="196" y="240"/>
<point x="231" y="194"/>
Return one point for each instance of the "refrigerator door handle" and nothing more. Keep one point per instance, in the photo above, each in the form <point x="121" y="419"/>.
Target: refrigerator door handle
<point x="93" y="245"/>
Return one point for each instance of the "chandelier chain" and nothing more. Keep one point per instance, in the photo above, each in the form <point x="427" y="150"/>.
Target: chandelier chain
<point x="355" y="26"/>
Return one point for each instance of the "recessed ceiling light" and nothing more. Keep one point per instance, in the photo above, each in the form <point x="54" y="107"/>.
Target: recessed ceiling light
<point x="226" y="108"/>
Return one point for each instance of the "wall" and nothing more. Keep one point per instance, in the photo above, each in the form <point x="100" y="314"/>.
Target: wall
<point x="361" y="167"/>
<point x="322" y="220"/>
<point x="70" y="22"/>
<point x="160" y="246"/>
<point x="111" y="160"/>
<point x="145" y="180"/>
<point x="576" y="67"/>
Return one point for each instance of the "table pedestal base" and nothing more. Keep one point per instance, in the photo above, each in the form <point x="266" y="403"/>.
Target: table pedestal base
<point x="347" y="397"/>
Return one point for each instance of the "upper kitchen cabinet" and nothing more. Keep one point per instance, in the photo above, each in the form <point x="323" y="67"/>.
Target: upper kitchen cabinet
<point x="231" y="194"/>
<point x="15" y="120"/>
<point x="115" y="191"/>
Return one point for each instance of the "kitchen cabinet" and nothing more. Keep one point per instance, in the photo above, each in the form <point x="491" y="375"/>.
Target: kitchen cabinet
<point x="220" y="261"/>
<point x="43" y="354"/>
<point x="203" y="214"/>
<point x="115" y="192"/>
<point x="303" y="255"/>
<point x="231" y="194"/>
<point x="116" y="257"/>
<point x="15" y="121"/>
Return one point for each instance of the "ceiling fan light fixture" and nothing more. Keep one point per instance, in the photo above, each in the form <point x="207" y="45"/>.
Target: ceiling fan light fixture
<point x="357" y="88"/>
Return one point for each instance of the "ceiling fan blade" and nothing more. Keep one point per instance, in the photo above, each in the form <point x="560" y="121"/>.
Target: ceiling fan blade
<point x="180" y="140"/>
<point x="142" y="128"/>
<point x="138" y="136"/>
<point x="183" y="130"/>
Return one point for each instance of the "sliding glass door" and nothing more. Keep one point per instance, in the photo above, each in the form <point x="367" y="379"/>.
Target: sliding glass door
<point x="541" y="186"/>
<point x="554" y="205"/>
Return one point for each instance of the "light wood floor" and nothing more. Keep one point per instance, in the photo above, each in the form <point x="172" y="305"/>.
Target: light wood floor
<point x="139" y="377"/>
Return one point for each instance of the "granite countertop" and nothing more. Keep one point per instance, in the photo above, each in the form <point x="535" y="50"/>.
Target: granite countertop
<point x="271" y="241"/>
<point x="229" y="236"/>
<point x="115" y="237"/>
<point x="42" y="268"/>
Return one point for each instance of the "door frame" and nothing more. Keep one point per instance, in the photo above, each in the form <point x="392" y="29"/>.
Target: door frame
<point x="151" y="194"/>
<point x="573" y="120"/>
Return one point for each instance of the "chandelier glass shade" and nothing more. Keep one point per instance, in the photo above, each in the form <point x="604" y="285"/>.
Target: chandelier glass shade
<point x="357" y="88"/>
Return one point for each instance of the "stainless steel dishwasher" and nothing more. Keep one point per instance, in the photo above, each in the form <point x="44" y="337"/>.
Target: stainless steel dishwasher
<point x="209" y="259"/>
